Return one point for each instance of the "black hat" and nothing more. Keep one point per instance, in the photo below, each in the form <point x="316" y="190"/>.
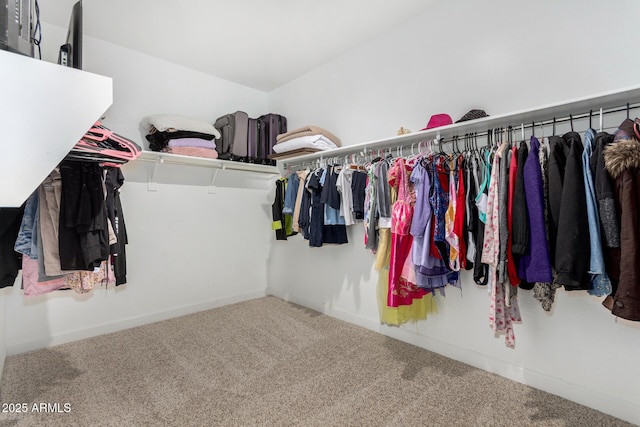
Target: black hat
<point x="472" y="115"/>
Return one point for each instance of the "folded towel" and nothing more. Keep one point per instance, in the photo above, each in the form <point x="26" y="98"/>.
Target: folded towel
<point x="319" y="142"/>
<point x="163" y="122"/>
<point x="192" y="142"/>
<point x="159" y="140"/>
<point x="306" y="131"/>
<point x="194" y="152"/>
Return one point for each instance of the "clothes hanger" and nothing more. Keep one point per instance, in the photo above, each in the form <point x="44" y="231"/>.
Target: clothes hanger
<point x="600" y="119"/>
<point x="554" y="126"/>
<point x="571" y="121"/>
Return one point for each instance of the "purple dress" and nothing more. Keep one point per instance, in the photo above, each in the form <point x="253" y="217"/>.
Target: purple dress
<point x="431" y="272"/>
<point x="535" y="264"/>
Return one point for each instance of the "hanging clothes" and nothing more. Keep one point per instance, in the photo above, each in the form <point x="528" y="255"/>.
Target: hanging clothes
<point x="544" y="292"/>
<point x="608" y="212"/>
<point x="279" y="224"/>
<point x="535" y="264"/>
<point x="600" y="283"/>
<point x="290" y="194"/>
<point x="83" y="230"/>
<point x="471" y="210"/>
<point x="316" y="218"/>
<point x="304" y="216"/>
<point x="334" y="229"/>
<point x="512" y="271"/>
<point x="431" y="272"/>
<point x="10" y="261"/>
<point x="302" y="177"/>
<point x="343" y="185"/>
<point x="452" y="239"/>
<point x="439" y="200"/>
<point x="558" y="152"/>
<point x="572" y="241"/>
<point x="461" y="211"/>
<point x="520" y="219"/>
<point x="370" y="211"/>
<point x="622" y="161"/>
<point x="481" y="269"/>
<point x="114" y="180"/>
<point x="401" y="291"/>
<point x="503" y="309"/>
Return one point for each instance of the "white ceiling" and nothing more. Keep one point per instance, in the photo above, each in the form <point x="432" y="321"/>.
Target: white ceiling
<point x="258" y="43"/>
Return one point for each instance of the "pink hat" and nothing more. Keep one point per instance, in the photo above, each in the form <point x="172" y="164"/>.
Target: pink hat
<point x="438" y="120"/>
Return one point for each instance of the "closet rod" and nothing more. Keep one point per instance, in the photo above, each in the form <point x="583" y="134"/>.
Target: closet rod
<point x="535" y="124"/>
<point x="411" y="140"/>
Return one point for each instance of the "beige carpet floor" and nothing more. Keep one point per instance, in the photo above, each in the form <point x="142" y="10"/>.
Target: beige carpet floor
<point x="268" y="362"/>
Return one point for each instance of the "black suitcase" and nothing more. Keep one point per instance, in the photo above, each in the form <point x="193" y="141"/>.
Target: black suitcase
<point x="269" y="127"/>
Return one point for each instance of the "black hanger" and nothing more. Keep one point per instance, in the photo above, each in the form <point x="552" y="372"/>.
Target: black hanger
<point x="571" y="121"/>
<point x="533" y="129"/>
<point x="590" y="115"/>
<point x="554" y="126"/>
<point x="627" y="111"/>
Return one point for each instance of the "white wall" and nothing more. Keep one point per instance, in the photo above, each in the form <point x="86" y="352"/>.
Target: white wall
<point x="144" y="85"/>
<point x="500" y="56"/>
<point x="188" y="249"/>
<point x="3" y="341"/>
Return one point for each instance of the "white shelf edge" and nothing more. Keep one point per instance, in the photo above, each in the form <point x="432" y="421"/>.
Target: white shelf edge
<point x="160" y="157"/>
<point x="603" y="100"/>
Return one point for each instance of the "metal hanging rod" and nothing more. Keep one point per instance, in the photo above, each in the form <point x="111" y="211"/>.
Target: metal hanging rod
<point x="553" y="121"/>
<point x="609" y="103"/>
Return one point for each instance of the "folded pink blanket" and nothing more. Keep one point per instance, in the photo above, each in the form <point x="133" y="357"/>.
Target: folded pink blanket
<point x="306" y="131"/>
<point x="192" y="142"/>
<point x="194" y="152"/>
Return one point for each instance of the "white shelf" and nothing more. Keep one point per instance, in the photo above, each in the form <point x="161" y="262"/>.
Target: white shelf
<point x="164" y="168"/>
<point x="542" y="113"/>
<point x="45" y="109"/>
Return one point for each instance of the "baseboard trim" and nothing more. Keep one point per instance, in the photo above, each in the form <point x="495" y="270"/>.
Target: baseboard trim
<point x="3" y="355"/>
<point x="131" y="322"/>
<point x="620" y="408"/>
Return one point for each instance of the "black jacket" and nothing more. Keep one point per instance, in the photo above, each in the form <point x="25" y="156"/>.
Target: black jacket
<point x="573" y="250"/>
<point x="558" y="151"/>
<point x="10" y="261"/>
<point x="520" y="218"/>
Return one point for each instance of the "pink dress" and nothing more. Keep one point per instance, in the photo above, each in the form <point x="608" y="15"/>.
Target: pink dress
<point x="401" y="291"/>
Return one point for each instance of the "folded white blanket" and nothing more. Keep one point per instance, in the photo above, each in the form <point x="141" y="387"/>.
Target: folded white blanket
<point x="319" y="142"/>
<point x="164" y="122"/>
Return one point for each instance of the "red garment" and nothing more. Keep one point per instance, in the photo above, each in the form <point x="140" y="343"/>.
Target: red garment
<point x="458" y="224"/>
<point x="512" y="271"/>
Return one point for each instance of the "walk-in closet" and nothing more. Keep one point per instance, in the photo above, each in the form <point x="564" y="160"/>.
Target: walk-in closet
<point x="474" y="262"/>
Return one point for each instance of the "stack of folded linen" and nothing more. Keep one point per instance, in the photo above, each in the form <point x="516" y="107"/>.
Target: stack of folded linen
<point x="307" y="138"/>
<point x="181" y="135"/>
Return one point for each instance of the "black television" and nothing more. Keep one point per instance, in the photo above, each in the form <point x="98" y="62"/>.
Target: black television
<point x="71" y="52"/>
